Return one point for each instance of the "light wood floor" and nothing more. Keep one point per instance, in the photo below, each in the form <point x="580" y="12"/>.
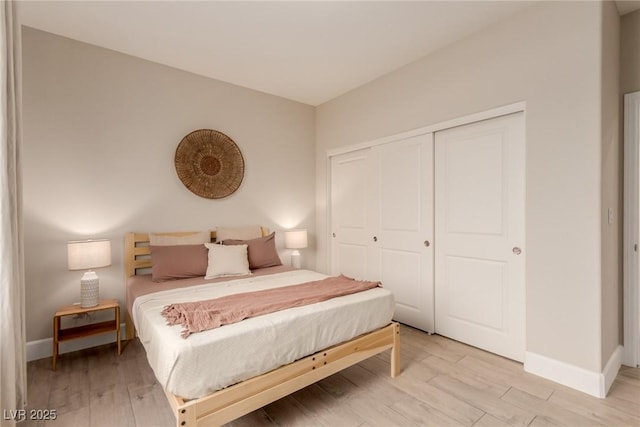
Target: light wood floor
<point x="443" y="383"/>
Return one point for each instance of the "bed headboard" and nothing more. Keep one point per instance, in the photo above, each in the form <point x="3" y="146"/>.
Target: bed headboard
<point x="137" y="253"/>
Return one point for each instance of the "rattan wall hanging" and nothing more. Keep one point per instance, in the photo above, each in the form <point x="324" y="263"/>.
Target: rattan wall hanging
<point x="209" y="164"/>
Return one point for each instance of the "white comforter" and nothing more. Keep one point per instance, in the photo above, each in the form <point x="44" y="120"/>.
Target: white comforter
<point x="211" y="360"/>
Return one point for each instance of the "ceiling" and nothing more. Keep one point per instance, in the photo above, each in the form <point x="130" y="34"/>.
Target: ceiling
<point x="307" y="51"/>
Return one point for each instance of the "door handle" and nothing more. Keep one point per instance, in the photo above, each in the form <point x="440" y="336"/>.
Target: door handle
<point x="516" y="250"/>
<point x="427" y="243"/>
<point x="375" y="238"/>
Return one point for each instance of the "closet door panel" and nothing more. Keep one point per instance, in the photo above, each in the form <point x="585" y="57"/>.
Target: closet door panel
<point x="474" y="180"/>
<point x="401" y="183"/>
<point x="467" y="302"/>
<point x="402" y="220"/>
<point x="350" y="204"/>
<point x="479" y="258"/>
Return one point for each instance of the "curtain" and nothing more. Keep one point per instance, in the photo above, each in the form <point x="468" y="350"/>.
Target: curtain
<point x="13" y="364"/>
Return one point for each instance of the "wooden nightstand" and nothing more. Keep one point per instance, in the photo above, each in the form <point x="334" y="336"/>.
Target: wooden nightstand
<point x="83" y="331"/>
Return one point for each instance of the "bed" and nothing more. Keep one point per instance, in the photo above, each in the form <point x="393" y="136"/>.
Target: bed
<point x="216" y="376"/>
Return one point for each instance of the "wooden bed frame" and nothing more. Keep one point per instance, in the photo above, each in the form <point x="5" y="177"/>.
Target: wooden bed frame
<point x="237" y="400"/>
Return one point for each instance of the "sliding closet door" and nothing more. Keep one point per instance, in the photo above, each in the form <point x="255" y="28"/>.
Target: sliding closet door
<point x="382" y="222"/>
<point x="402" y="227"/>
<point x="350" y="213"/>
<point x="479" y="208"/>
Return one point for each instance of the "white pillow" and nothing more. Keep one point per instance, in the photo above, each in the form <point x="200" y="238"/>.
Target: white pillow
<point x="227" y="260"/>
<point x="238" y="233"/>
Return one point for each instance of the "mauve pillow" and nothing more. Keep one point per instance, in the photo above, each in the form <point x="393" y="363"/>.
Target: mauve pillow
<point x="178" y="261"/>
<point x="262" y="251"/>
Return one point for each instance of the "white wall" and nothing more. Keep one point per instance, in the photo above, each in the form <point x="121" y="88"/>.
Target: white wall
<point x="100" y="133"/>
<point x="550" y="57"/>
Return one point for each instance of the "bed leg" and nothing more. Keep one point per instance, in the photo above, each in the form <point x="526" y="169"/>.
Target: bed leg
<point x="185" y="412"/>
<point x="129" y="328"/>
<point x="395" y="351"/>
<point x="186" y="417"/>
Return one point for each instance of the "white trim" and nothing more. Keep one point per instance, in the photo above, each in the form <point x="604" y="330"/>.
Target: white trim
<point x="594" y="383"/>
<point x="459" y="121"/>
<point x="631" y="296"/>
<point x="611" y="370"/>
<point x="40" y="349"/>
<point x="328" y="219"/>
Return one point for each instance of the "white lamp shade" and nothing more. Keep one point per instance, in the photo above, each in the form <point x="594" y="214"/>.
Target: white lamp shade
<point x="88" y="254"/>
<point x="295" y="239"/>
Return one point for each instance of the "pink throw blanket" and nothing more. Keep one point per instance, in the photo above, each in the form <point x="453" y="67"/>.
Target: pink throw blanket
<point x="210" y="314"/>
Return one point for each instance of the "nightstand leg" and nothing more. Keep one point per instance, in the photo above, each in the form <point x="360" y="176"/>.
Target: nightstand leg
<point x="118" y="330"/>
<point x="56" y="329"/>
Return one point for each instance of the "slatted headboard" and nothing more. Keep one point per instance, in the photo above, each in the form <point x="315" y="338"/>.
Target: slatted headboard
<point x="136" y="249"/>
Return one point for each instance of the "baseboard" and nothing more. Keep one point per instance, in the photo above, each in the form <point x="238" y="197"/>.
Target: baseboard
<point x="611" y="369"/>
<point x="40" y="349"/>
<point x="594" y="383"/>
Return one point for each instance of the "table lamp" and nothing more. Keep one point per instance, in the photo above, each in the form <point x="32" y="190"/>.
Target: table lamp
<point x="295" y="239"/>
<point x="86" y="255"/>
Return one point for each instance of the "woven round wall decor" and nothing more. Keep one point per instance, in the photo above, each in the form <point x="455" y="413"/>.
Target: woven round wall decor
<point x="209" y="164"/>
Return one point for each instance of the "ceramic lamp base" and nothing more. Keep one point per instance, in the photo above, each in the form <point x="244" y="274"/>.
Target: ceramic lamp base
<point x="89" y="289"/>
<point x="295" y="259"/>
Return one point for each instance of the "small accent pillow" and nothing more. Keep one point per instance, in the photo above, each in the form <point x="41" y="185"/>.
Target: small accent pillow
<point x="262" y="251"/>
<point x="195" y="238"/>
<point x="238" y="233"/>
<point x="178" y="262"/>
<point x="227" y="261"/>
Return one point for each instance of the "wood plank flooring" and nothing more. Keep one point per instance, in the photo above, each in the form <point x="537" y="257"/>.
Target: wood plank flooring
<point x="443" y="383"/>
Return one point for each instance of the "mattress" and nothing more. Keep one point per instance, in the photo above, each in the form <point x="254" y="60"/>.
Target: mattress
<point x="211" y="360"/>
